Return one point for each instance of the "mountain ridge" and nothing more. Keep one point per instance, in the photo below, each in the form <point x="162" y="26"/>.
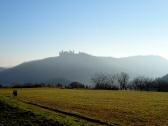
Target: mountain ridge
<point x="81" y="67"/>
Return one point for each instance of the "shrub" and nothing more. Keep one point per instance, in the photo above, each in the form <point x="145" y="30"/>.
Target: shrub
<point x="14" y="92"/>
<point x="76" y="85"/>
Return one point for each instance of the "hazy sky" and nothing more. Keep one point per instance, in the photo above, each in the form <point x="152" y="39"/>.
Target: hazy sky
<point x="33" y="29"/>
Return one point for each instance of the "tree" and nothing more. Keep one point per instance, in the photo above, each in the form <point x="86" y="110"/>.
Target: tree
<point x="100" y="81"/>
<point x="123" y="79"/>
<point x="138" y="83"/>
<point x="104" y="81"/>
<point x="143" y="83"/>
<point x="112" y="79"/>
<point x="161" y="85"/>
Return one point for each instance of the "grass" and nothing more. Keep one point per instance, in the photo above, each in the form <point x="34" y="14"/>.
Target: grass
<point x="14" y="112"/>
<point x="13" y="116"/>
<point x="119" y="107"/>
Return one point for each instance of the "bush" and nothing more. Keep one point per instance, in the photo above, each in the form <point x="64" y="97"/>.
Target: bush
<point x="76" y="85"/>
<point x="14" y="93"/>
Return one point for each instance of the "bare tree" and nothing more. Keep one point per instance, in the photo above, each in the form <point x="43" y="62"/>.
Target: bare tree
<point x="104" y="81"/>
<point x="123" y="79"/>
<point x="100" y="80"/>
<point x="138" y="83"/>
<point x="142" y="83"/>
<point x="112" y="79"/>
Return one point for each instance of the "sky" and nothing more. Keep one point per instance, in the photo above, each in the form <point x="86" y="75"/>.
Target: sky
<point x="36" y="29"/>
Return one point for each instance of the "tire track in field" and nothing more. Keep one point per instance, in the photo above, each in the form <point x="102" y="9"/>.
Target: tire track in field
<point x="70" y="114"/>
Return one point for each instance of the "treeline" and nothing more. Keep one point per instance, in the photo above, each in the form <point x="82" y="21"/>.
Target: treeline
<point x="111" y="82"/>
<point x="122" y="81"/>
<point x="56" y="85"/>
<point x="147" y="84"/>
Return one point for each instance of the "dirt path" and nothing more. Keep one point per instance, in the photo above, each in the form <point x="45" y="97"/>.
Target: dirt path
<point x="71" y="114"/>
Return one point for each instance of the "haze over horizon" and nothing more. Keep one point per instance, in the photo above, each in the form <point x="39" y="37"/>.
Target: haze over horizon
<point x="31" y="30"/>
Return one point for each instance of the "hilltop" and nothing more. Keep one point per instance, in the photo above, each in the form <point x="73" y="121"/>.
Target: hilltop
<point x="81" y="67"/>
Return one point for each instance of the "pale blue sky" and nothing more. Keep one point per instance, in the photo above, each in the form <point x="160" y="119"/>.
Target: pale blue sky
<point x="34" y="29"/>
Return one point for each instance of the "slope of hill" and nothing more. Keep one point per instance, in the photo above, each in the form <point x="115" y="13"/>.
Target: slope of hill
<point x="165" y="78"/>
<point x="81" y="67"/>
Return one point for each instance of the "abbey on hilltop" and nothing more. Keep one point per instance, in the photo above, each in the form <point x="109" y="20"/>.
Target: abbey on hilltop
<point x="70" y="52"/>
<point x="65" y="53"/>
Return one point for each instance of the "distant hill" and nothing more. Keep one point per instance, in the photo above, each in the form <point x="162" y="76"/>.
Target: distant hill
<point x="165" y="78"/>
<point x="81" y="67"/>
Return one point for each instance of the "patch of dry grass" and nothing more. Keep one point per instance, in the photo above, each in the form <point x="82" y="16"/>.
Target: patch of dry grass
<point x="121" y="107"/>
